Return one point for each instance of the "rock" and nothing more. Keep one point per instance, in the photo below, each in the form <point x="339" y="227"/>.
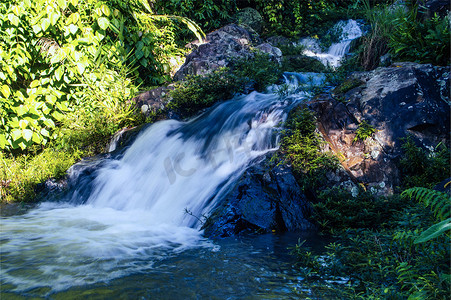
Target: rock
<point x="249" y="17"/>
<point x="264" y="199"/>
<point x="153" y="100"/>
<point x="221" y="47"/>
<point x="404" y="99"/>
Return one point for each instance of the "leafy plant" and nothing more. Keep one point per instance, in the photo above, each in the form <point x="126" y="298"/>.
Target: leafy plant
<point x="301" y="147"/>
<point x="421" y="168"/>
<point x="440" y="205"/>
<point x="364" y="131"/>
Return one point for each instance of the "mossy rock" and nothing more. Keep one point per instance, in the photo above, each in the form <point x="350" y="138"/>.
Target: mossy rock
<point x="302" y="63"/>
<point x="249" y="17"/>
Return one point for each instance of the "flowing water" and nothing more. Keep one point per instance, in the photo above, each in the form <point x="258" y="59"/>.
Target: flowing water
<point x="350" y="31"/>
<point x="132" y="223"/>
<point x="130" y="229"/>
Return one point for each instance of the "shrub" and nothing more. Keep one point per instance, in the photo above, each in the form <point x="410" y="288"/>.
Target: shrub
<point x="301" y="147"/>
<point x="420" y="168"/>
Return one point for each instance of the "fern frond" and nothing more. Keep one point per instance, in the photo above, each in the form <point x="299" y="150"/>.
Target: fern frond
<point x="439" y="202"/>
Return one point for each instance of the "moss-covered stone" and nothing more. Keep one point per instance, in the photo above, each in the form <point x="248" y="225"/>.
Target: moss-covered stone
<point x="302" y="63"/>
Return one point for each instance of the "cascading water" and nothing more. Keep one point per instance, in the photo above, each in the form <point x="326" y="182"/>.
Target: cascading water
<point x="350" y="31"/>
<point x="140" y="214"/>
<point x="135" y="213"/>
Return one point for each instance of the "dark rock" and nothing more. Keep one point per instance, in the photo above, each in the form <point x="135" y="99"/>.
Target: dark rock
<point x="264" y="199"/>
<point x="220" y="48"/>
<point x="432" y="7"/>
<point x="405" y="99"/>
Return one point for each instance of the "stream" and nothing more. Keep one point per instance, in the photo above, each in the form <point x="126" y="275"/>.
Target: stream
<point x="132" y="231"/>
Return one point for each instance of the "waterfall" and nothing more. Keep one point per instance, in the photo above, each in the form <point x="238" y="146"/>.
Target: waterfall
<point x="350" y="31"/>
<point x="135" y="211"/>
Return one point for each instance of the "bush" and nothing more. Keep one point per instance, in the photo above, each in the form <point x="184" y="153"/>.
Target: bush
<point x="199" y="92"/>
<point x="301" y="147"/>
<point x="421" y="168"/>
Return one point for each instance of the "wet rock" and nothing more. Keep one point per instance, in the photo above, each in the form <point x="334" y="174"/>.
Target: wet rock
<point x="404" y="99"/>
<point x="264" y="199"/>
<point x="220" y="48"/>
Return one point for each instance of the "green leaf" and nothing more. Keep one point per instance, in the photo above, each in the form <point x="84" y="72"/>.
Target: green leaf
<point x="3" y="141"/>
<point x="59" y="73"/>
<point x="36" y="28"/>
<point x="45" y="24"/>
<point x="27" y="134"/>
<point x="45" y="132"/>
<point x="36" y="138"/>
<point x="62" y="4"/>
<point x="14" y="19"/>
<point x="73" y="28"/>
<point x="21" y="110"/>
<point x="23" y="124"/>
<point x="57" y="115"/>
<point x="16" y="134"/>
<point x="54" y="18"/>
<point x="74" y="2"/>
<point x="434" y="231"/>
<point x="62" y="106"/>
<point x="34" y="83"/>
<point x="6" y="91"/>
<point x="105" y="10"/>
<point x="103" y="23"/>
<point x="49" y="123"/>
<point x="81" y="66"/>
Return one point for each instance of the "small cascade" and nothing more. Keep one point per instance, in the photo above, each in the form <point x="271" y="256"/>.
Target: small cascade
<point x="350" y="31"/>
<point x="145" y="204"/>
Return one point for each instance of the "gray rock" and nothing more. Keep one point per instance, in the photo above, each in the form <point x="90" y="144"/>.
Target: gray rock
<point x="404" y="99"/>
<point x="220" y="48"/>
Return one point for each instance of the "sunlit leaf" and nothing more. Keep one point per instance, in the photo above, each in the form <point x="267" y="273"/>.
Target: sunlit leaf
<point x="45" y="23"/>
<point x="6" y="91"/>
<point x="27" y="134"/>
<point x="103" y="23"/>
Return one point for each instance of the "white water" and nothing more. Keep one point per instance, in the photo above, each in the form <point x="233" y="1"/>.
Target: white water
<point x="336" y="52"/>
<point x="135" y="214"/>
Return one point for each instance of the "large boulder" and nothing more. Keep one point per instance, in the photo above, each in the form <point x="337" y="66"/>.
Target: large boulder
<point x="220" y="48"/>
<point x="401" y="100"/>
<point x="264" y="199"/>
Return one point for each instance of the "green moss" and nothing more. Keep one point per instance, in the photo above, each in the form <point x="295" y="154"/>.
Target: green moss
<point x="302" y="63"/>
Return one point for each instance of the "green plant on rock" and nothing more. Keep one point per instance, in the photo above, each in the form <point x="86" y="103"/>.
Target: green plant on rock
<point x="364" y="131"/>
<point x="301" y="147"/>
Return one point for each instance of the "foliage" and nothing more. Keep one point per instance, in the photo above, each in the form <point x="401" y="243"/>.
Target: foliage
<point x="337" y="209"/>
<point x="302" y="63"/>
<point x="423" y="168"/>
<point x="20" y="175"/>
<point x="299" y="18"/>
<point x="364" y="131"/>
<point x="199" y="92"/>
<point x="52" y="52"/>
<point x="384" y="248"/>
<point x="301" y="147"/>
<point x="399" y="30"/>
<point x="440" y="205"/>
<point x="209" y="14"/>
<point x="425" y="41"/>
